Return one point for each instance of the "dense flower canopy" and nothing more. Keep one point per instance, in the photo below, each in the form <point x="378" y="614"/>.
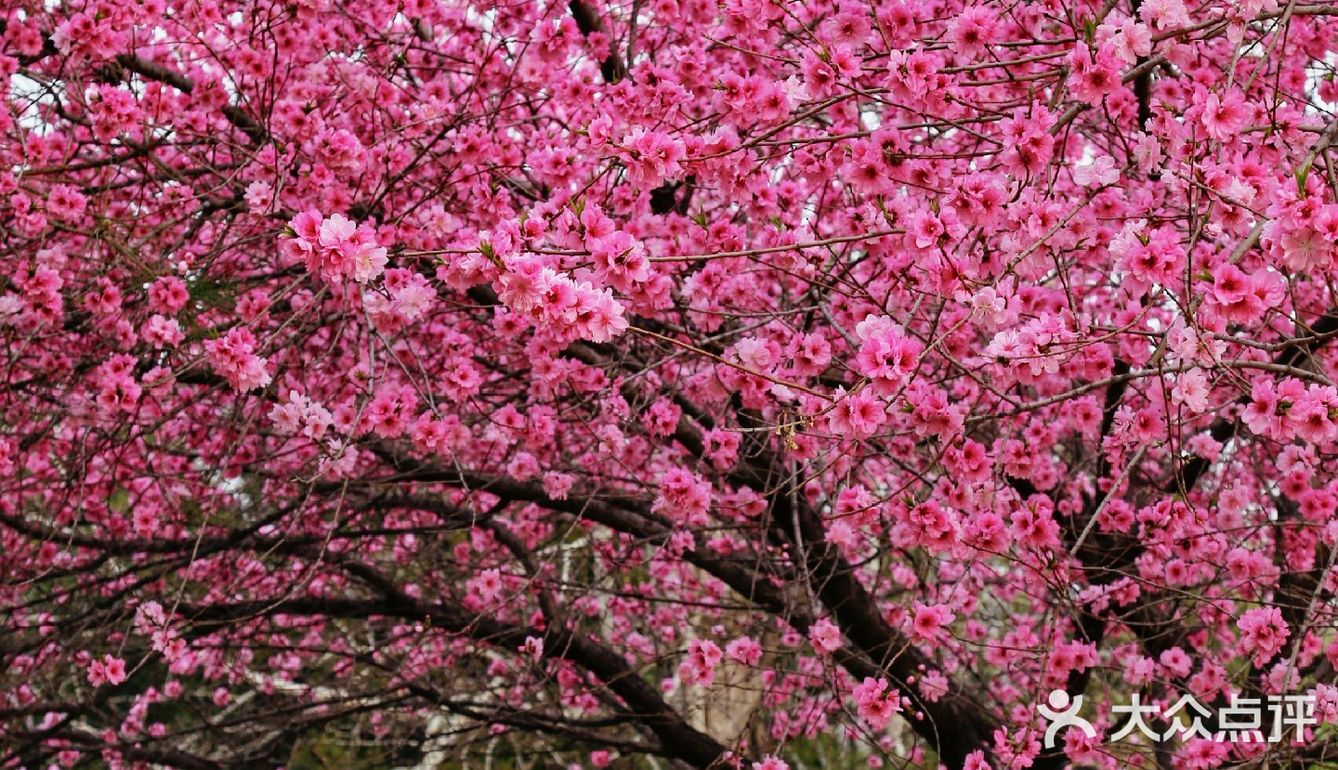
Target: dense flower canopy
<point x="664" y="383"/>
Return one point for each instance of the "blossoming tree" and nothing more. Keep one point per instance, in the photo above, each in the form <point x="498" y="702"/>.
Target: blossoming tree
<point x="435" y="383"/>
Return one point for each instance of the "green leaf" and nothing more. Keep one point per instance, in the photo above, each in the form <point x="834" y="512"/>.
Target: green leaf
<point x="119" y="500"/>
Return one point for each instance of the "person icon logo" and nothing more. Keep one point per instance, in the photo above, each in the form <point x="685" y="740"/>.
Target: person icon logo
<point x="1062" y="711"/>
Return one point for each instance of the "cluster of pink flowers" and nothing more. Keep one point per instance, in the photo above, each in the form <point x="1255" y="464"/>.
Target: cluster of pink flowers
<point x="650" y="157"/>
<point x="340" y="151"/>
<point x="744" y="650"/>
<point x="585" y="342"/>
<point x="66" y="203"/>
<point x="1124" y="37"/>
<point x="152" y="620"/>
<point x="916" y="76"/>
<point x="661" y="419"/>
<point x="825" y="636"/>
<point x="1034" y="348"/>
<point x="485" y="589"/>
<point x="753" y="99"/>
<point x="168" y="295"/>
<point x="722" y="447"/>
<point x="391" y="411"/>
<point x="1191" y="390"/>
<point x="407" y="297"/>
<point x="163" y="332"/>
<point x="563" y="307"/>
<point x="301" y="415"/>
<point x="929" y="620"/>
<point x="118" y="390"/>
<point x="683" y="497"/>
<point x="1290" y="409"/>
<point x="929" y="525"/>
<point x="856" y="415"/>
<point x="335" y="248"/>
<point x="38" y="300"/>
<point x="876" y="703"/>
<point x="621" y="260"/>
<point x="108" y="670"/>
<point x="1263" y="631"/>
<point x="438" y="436"/>
<point x="1096" y="73"/>
<point x="1223" y="115"/>
<point x="1154" y="256"/>
<point x="1303" y="233"/>
<point x="115" y="111"/>
<point x="886" y="356"/>
<point x="6" y="455"/>
<point x="1242" y="297"/>
<point x="233" y="356"/>
<point x="1029" y="145"/>
<point x="698" y="666"/>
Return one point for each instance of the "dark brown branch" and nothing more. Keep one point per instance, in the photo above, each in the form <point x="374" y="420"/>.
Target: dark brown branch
<point x="642" y="700"/>
<point x="157" y="72"/>
<point x="588" y="22"/>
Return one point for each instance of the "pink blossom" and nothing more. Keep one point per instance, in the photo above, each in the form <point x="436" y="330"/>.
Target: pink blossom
<point x="928" y="620"/>
<point x="973" y="30"/>
<point x="110" y="670"/>
<point x="886" y="355"/>
<point x="557" y="485"/>
<point x="487" y="586"/>
<point x="1095" y="75"/>
<point x="1176" y="661"/>
<point x="698" y="667"/>
<point x="825" y="637"/>
<point x="744" y="650"/>
<point x="1127" y="38"/>
<point x="1099" y="173"/>
<point x="1164" y="14"/>
<point x="337" y="248"/>
<point x="875" y="703"/>
<point x="1191" y="390"/>
<point x="1224" y="115"/>
<point x="1263" y="631"/>
<point x="683" y="497"/>
<point x="650" y="157"/>
<point x="233" y="356"/>
<point x="533" y="647"/>
<point x="857" y="415"/>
